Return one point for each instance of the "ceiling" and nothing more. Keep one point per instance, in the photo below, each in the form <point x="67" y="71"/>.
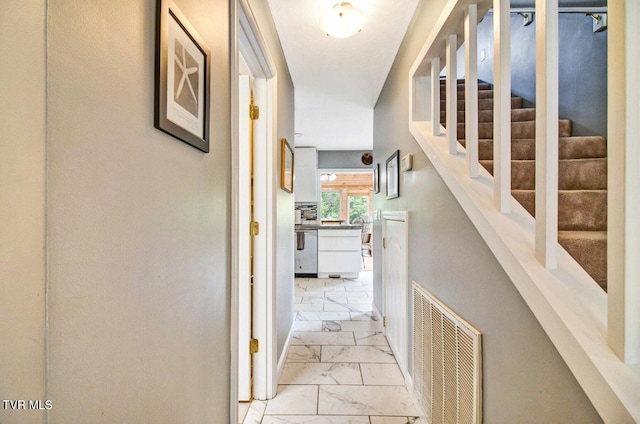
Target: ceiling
<point x="338" y="81"/>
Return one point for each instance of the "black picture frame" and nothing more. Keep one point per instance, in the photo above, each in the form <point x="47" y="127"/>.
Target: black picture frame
<point x="376" y="178"/>
<point x="182" y="78"/>
<point x="393" y="175"/>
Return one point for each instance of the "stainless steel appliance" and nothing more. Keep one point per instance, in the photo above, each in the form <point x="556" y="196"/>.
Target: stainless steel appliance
<point x="306" y="257"/>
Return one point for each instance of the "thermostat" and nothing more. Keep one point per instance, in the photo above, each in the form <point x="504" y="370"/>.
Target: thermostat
<point x="406" y="163"/>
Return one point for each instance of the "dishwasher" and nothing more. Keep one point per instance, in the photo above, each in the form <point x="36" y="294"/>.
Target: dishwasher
<point x="306" y="257"/>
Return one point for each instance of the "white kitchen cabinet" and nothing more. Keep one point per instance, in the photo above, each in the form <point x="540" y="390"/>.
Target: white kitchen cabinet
<point x="305" y="186"/>
<point x="339" y="253"/>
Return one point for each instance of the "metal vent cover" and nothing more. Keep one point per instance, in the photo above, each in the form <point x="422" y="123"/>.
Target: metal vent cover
<point x="447" y="362"/>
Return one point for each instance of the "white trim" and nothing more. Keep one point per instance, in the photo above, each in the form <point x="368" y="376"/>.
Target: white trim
<point x="234" y="129"/>
<point x="471" y="88"/>
<point x="285" y="352"/>
<point x="502" y="106"/>
<point x="623" y="235"/>
<point x="247" y="38"/>
<point x="546" y="204"/>
<point x="435" y="95"/>
<point x="452" y="93"/>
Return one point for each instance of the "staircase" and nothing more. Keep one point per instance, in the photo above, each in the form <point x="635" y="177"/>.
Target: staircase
<point x="582" y="191"/>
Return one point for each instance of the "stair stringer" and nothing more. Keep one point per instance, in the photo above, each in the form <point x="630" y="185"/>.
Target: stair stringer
<point x="566" y="301"/>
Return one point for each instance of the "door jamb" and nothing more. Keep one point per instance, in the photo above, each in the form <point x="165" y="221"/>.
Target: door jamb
<point x="246" y="38"/>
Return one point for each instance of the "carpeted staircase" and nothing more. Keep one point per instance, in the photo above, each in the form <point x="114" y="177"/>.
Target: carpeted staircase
<point x="582" y="190"/>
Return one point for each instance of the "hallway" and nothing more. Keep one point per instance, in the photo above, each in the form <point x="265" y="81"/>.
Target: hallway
<point x="340" y="369"/>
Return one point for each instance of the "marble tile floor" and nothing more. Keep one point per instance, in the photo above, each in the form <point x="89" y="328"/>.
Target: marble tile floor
<point x="340" y="368"/>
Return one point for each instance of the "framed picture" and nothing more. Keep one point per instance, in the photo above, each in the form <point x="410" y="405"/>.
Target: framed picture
<point x="393" y="176"/>
<point x="182" y="78"/>
<point x="376" y="178"/>
<point x="286" y="169"/>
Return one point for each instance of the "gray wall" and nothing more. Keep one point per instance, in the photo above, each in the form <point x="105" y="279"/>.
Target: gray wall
<point x="583" y="68"/>
<point x="524" y="378"/>
<point x="285" y="215"/>
<point x="22" y="208"/>
<point x="137" y="234"/>
<point x="342" y="159"/>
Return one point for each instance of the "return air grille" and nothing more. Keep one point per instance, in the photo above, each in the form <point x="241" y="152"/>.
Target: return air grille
<point x="447" y="362"/>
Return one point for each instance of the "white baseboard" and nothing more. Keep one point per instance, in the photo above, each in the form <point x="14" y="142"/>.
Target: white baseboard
<point x="285" y="351"/>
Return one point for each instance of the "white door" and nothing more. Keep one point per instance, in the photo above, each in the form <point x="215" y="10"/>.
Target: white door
<point x="396" y="284"/>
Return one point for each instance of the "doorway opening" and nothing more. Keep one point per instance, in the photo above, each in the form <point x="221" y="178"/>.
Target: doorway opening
<point x="347" y="198"/>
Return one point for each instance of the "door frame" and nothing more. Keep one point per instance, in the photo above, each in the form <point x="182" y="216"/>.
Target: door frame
<point x="247" y="40"/>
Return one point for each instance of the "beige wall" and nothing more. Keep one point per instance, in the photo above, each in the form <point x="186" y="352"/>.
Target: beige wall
<point x="524" y="378"/>
<point x="22" y="206"/>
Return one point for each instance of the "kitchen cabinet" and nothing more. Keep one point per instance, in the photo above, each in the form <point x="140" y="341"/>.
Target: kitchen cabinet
<point x="305" y="187"/>
<point x="339" y="253"/>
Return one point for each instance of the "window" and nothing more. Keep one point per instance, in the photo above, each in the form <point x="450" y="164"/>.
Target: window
<point x="358" y="206"/>
<point x="330" y="205"/>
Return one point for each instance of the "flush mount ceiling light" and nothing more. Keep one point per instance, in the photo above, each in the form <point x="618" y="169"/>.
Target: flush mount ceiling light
<point x="342" y="21"/>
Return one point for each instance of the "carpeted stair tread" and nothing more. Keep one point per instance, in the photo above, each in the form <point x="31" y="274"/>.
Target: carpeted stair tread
<point x="524" y="114"/>
<point x="589" y="249"/>
<point x="482" y="94"/>
<point x="483" y="104"/>
<point x="520" y="129"/>
<point x="577" y="209"/>
<point x="573" y="174"/>
<point x="576" y="147"/>
<point x="461" y="85"/>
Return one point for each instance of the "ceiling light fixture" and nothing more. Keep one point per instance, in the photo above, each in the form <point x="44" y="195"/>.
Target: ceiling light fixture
<point x="342" y="21"/>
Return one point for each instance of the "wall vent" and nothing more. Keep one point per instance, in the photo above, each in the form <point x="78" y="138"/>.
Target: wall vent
<point x="447" y="362"/>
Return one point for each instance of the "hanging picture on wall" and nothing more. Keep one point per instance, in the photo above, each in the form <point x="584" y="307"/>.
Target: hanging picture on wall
<point x="393" y="176"/>
<point x="286" y="169"/>
<point x="376" y="178"/>
<point x="182" y="78"/>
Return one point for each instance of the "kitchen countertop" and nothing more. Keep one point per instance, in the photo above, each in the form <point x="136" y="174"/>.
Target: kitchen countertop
<point x="328" y="227"/>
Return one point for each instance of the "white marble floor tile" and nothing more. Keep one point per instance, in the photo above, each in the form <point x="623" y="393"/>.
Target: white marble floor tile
<point x="307" y="326"/>
<point x="395" y="420"/>
<point x="321" y="373"/>
<point x="371" y="400"/>
<point x="349" y="294"/>
<point x="255" y="413"/>
<point x="327" y="299"/>
<point x="243" y="408"/>
<point x="304" y="353"/>
<point x="370" y="338"/>
<point x="359" y="300"/>
<point x="382" y="375"/>
<point x="305" y="293"/>
<point x="308" y="307"/>
<point x="292" y="399"/>
<point x="335" y="307"/>
<point x="362" y="354"/>
<point x="337" y="326"/>
<point x="359" y="287"/>
<point x="297" y="299"/>
<point x="323" y="338"/>
<point x="363" y="316"/>
<point x="311" y="285"/>
<point x="322" y="316"/>
<point x="314" y="419"/>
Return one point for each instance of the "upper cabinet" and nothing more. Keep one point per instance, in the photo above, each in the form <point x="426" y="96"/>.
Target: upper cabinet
<point x="305" y="171"/>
